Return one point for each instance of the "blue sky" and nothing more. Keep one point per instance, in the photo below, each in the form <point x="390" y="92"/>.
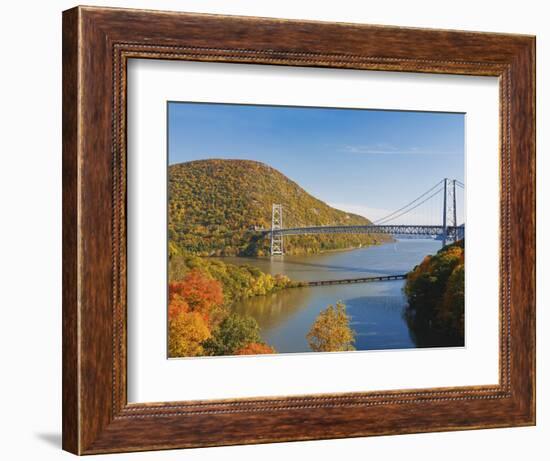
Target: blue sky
<point x="369" y="162"/>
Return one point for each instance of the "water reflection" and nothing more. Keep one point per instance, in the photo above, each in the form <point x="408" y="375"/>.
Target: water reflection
<point x="378" y="322"/>
<point x="275" y="309"/>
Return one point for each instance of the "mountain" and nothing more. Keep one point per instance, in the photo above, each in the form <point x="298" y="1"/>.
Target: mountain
<point x="215" y="205"/>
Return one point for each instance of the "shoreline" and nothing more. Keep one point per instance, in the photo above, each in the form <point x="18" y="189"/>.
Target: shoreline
<point x="336" y="250"/>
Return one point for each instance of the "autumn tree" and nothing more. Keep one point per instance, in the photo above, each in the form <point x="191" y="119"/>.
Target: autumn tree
<point x="451" y="315"/>
<point x="255" y="349"/>
<point x="194" y="305"/>
<point x="186" y="332"/>
<point x="331" y="330"/>
<point x="195" y="293"/>
<point x="435" y="294"/>
<point x="173" y="250"/>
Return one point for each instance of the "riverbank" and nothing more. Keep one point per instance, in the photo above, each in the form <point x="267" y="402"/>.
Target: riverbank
<point x="238" y="280"/>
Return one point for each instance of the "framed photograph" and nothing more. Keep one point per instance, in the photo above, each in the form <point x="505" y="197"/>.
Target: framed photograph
<point x="284" y="230"/>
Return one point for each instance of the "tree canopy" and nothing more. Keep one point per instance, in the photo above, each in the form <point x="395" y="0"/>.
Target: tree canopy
<point x="331" y="330"/>
<point x="435" y="292"/>
<point x="235" y="333"/>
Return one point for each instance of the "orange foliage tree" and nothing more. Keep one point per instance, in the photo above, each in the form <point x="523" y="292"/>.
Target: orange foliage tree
<point x="195" y="293"/>
<point x="255" y="348"/>
<point x="191" y="305"/>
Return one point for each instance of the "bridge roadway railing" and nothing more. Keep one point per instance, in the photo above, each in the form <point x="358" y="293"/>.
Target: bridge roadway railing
<point x="372" y="229"/>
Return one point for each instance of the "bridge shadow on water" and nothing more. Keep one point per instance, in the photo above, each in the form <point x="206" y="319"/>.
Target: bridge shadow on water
<point x="340" y="268"/>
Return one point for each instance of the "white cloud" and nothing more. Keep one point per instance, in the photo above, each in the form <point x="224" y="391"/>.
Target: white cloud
<point x="388" y="149"/>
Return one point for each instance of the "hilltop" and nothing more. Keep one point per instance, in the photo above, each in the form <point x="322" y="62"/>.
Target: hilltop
<point x="215" y="204"/>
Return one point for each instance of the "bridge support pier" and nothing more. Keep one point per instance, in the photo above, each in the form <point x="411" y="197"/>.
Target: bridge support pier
<point x="444" y="234"/>
<point x="449" y="211"/>
<point x="277" y="244"/>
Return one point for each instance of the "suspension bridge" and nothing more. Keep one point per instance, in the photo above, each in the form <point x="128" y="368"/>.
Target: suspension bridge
<point x="442" y="198"/>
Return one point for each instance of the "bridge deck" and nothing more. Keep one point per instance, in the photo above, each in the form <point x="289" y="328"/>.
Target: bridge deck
<point x="397" y="229"/>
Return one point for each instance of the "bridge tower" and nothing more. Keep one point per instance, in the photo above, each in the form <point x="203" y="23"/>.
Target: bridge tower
<point x="449" y="210"/>
<point x="276" y="224"/>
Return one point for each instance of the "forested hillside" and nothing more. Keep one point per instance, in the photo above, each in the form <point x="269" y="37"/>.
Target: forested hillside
<point x="215" y="205"/>
<point x="435" y="291"/>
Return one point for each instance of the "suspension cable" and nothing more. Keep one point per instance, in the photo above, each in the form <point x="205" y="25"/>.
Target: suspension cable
<point x="416" y="206"/>
<point x="385" y="218"/>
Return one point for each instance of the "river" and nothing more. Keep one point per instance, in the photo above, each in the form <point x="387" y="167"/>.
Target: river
<point x="376" y="308"/>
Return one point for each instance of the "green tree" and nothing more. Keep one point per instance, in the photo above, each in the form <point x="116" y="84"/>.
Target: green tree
<point x="331" y="330"/>
<point x="451" y="316"/>
<point x="233" y="333"/>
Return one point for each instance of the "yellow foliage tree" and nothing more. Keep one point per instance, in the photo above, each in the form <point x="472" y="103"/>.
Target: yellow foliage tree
<point x="331" y="331"/>
<point x="186" y="333"/>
